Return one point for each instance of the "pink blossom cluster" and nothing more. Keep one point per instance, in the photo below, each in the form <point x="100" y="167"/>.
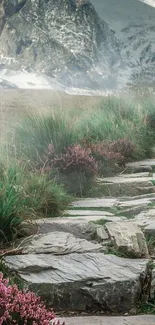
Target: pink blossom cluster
<point x="75" y="158"/>
<point x="90" y="157"/>
<point x="19" y="307"/>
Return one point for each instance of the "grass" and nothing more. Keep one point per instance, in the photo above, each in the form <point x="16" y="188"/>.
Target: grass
<point x="100" y="222"/>
<point x="111" y="119"/>
<point x="27" y="195"/>
<point x="30" y="191"/>
<point x="110" y="249"/>
<point x="150" y="244"/>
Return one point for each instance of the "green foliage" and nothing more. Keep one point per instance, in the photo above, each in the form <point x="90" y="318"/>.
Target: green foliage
<point x="110" y="249"/>
<point x="44" y="196"/>
<point x="11" y="276"/>
<point x="12" y="203"/>
<point x="25" y="194"/>
<point x="147" y="308"/>
<point x="111" y="119"/>
<point x="35" y="133"/>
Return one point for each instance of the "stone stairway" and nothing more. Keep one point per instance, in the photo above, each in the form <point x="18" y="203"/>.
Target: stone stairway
<point x="96" y="258"/>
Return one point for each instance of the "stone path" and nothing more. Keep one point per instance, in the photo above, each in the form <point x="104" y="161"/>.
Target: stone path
<point x="72" y="262"/>
<point x="99" y="320"/>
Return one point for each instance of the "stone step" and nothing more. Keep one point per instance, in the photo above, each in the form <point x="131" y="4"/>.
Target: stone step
<point x="127" y="185"/>
<point x="147" y="165"/>
<point x="83" y="282"/>
<point x="102" y="320"/>
<point x="87" y="213"/>
<point x="89" y="227"/>
<point x="111" y="203"/>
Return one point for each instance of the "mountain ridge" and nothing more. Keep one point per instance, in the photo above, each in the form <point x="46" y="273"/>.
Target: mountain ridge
<point x="95" y="45"/>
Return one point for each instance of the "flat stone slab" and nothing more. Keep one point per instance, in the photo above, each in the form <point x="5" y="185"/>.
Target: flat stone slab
<point x="128" y="178"/>
<point x="89" y="228"/>
<point x="127" y="184"/>
<point x="150" y="230"/>
<point x="140" y="200"/>
<point x="127" y="238"/>
<point x="58" y="243"/>
<point x="80" y="282"/>
<point x="142" y="163"/>
<point x="145" y="218"/>
<point x="95" y="203"/>
<point x="87" y="213"/>
<point x="102" y="320"/>
<point x="136" y="202"/>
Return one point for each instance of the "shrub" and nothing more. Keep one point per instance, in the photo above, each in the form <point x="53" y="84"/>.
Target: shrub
<point x="75" y="168"/>
<point x="44" y="196"/>
<point x="22" y="307"/>
<point x="124" y="147"/>
<point x="35" y="133"/>
<point x="76" y="159"/>
<point x="12" y="202"/>
<point x="108" y="160"/>
<point x="25" y="194"/>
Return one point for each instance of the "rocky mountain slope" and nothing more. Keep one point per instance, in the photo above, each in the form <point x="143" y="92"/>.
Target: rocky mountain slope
<point x="77" y="43"/>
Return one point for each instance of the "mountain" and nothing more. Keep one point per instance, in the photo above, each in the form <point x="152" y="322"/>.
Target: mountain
<point x="76" y="43"/>
<point x="134" y="25"/>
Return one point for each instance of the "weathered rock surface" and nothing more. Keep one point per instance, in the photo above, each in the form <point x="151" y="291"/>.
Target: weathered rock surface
<point x="95" y="203"/>
<point x="83" y="282"/>
<point x="95" y="45"/>
<point x="66" y="39"/>
<point x="127" y="238"/>
<point x="9" y="8"/>
<point x="102" y="320"/>
<point x="58" y="243"/>
<point x="145" y="218"/>
<point x="150" y="230"/>
<point x="111" y="203"/>
<point x="127" y="184"/>
<point x="89" y="229"/>
<point x="88" y="213"/>
<point x="141" y="166"/>
<point x="86" y="227"/>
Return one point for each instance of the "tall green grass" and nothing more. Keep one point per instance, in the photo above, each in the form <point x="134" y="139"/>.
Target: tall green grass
<point x="113" y="118"/>
<point x="25" y="192"/>
<point x="25" y="195"/>
<point x="35" y="133"/>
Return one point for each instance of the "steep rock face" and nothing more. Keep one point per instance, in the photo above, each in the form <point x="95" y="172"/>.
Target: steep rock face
<point x="95" y="44"/>
<point x="63" y="39"/>
<point x="134" y="24"/>
<point x="9" y="8"/>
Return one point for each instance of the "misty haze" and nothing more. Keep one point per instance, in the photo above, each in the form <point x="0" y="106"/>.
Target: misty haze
<point x="77" y="162"/>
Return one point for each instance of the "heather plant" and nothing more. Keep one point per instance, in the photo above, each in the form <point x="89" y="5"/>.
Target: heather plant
<point x="110" y="156"/>
<point x="124" y="147"/>
<point x="113" y="118"/>
<point x="21" y="307"/>
<point x="76" y="159"/>
<point x="108" y="160"/>
<point x="76" y="168"/>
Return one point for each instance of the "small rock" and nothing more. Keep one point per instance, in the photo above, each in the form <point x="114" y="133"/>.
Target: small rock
<point x="27" y="228"/>
<point x="127" y="238"/>
<point x="150" y="230"/>
<point x="127" y="185"/>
